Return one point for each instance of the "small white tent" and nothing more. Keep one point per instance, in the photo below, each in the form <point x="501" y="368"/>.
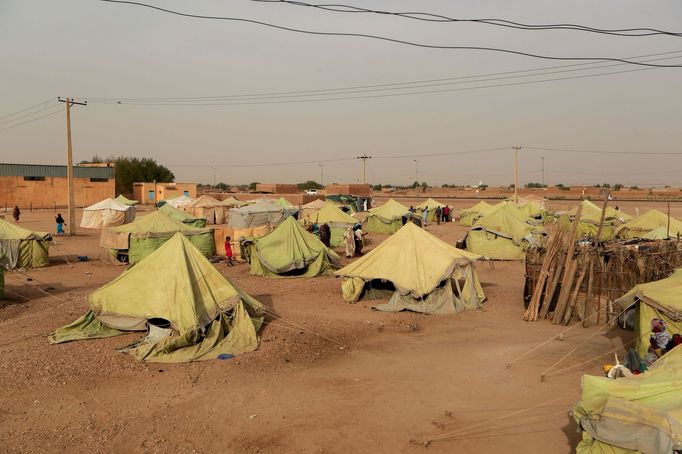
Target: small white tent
<point x="107" y="213"/>
<point x="181" y="202"/>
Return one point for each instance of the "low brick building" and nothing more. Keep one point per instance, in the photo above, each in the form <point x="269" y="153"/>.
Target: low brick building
<point x="150" y="193"/>
<point x="272" y="188"/>
<point x="45" y="186"/>
<point x="349" y="189"/>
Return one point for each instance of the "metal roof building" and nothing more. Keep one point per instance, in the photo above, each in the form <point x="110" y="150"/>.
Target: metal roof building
<point x="42" y="170"/>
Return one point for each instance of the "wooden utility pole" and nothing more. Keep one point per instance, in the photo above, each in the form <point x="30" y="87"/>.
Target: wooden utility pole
<point x="364" y="158"/>
<point x="69" y="164"/>
<point x="516" y="174"/>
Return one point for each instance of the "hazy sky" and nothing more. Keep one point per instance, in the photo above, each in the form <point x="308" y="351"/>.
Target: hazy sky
<point x="90" y="49"/>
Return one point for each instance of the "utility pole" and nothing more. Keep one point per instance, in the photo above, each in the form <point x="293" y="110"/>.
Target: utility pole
<point x="516" y="174"/>
<point x="542" y="159"/>
<point x="321" y="174"/>
<point x="69" y="163"/>
<point x="416" y="171"/>
<point x="364" y="158"/>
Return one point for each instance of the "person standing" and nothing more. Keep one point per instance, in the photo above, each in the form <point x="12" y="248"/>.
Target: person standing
<point x="359" y="242"/>
<point x="60" y="223"/>
<point x="439" y="214"/>
<point x="446" y="214"/>
<point x="228" y="252"/>
<point x="326" y="234"/>
<point x="425" y="213"/>
<point x="16" y="213"/>
<point x="349" y="241"/>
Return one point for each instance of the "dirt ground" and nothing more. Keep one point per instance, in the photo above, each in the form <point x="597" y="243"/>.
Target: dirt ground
<point x="329" y="377"/>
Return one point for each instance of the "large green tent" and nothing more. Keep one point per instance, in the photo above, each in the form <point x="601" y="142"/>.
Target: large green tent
<point x="469" y="216"/>
<point x="418" y="271"/>
<point x="640" y="414"/>
<point x="175" y="287"/>
<point x="21" y="248"/>
<point x="502" y="234"/>
<point x="590" y="218"/>
<point x="138" y="239"/>
<point x="387" y="218"/>
<point x="290" y="251"/>
<point x="648" y="222"/>
<point x="657" y="299"/>
<point x="125" y="200"/>
<point x="181" y="216"/>
<point x="337" y="220"/>
<point x="430" y="205"/>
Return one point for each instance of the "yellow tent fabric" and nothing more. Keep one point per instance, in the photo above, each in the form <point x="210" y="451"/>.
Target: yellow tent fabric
<point x="387" y="218"/>
<point x="422" y="270"/>
<point x="22" y="248"/>
<point x="208" y="315"/>
<point x="309" y="210"/>
<point x="637" y="414"/>
<point x="430" y="205"/>
<point x="232" y="201"/>
<point x="125" y="200"/>
<point x="502" y="234"/>
<point x="107" y="213"/>
<point x="657" y="299"/>
<point x="469" y="216"/>
<point x="648" y="222"/>
<point x="210" y="209"/>
<point x="337" y="220"/>
<point x="590" y="218"/>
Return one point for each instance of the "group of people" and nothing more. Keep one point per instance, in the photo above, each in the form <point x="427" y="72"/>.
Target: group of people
<point x="354" y="240"/>
<point x="660" y="341"/>
<point x="59" y="220"/>
<point x="442" y="215"/>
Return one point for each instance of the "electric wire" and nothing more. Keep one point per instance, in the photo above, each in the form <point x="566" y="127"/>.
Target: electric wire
<point x="431" y="17"/>
<point x="42" y="103"/>
<point x="387" y="39"/>
<point x="32" y="120"/>
<point x="30" y="114"/>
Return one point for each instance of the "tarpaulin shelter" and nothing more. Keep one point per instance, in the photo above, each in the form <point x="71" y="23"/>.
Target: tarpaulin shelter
<point x="418" y="271"/>
<point x="469" y="216"/>
<point x="430" y="205"/>
<point x="233" y="202"/>
<point x="657" y="299"/>
<point x="107" y="213"/>
<point x="647" y="223"/>
<point x="256" y="219"/>
<point x="337" y="220"/>
<point x="590" y="218"/>
<point x="125" y="200"/>
<point x="289" y="208"/>
<point x="200" y="313"/>
<point x="309" y="210"/>
<point x="21" y="248"/>
<point x="290" y="251"/>
<point x="633" y="415"/>
<point x="356" y="203"/>
<point x="182" y="216"/>
<point x="183" y="202"/>
<point x="502" y="234"/>
<point x="387" y="218"/>
<point x="210" y="209"/>
<point x="137" y="240"/>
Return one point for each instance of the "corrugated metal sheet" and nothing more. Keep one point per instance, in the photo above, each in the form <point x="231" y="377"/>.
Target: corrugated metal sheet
<point x="39" y="170"/>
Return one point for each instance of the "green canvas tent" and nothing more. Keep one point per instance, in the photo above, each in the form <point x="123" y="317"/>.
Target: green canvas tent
<point x="181" y="216"/>
<point x="308" y="212"/>
<point x="22" y="248"/>
<point x="387" y="218"/>
<point x="633" y="415"/>
<point x="290" y="251"/>
<point x="263" y="212"/>
<point x="289" y="208"/>
<point x="203" y="313"/>
<point x="125" y="200"/>
<point x="140" y="238"/>
<point x="233" y="202"/>
<point x="657" y="299"/>
<point x="502" y="234"/>
<point x="418" y="271"/>
<point x="590" y="218"/>
<point x="337" y="220"/>
<point x="430" y="206"/>
<point x="469" y="216"/>
<point x="647" y="223"/>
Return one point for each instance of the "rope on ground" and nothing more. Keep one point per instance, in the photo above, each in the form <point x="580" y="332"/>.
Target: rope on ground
<point x="54" y="245"/>
<point x="292" y="326"/>
<point x="455" y="433"/>
<point x="34" y="285"/>
<point x="517" y="422"/>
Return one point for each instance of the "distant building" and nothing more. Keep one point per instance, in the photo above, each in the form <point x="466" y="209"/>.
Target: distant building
<point x="150" y="193"/>
<point x="350" y="189"/>
<point x="45" y="186"/>
<point x="271" y="188"/>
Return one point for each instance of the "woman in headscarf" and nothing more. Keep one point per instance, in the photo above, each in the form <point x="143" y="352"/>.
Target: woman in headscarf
<point x="349" y="241"/>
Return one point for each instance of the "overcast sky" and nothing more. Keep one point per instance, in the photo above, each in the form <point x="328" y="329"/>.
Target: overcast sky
<point x="90" y="49"/>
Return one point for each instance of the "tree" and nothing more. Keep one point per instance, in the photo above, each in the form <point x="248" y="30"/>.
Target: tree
<point x="310" y="184"/>
<point x="222" y="187"/>
<point x="252" y="186"/>
<point x="377" y="187"/>
<point x="617" y="187"/>
<point x="535" y="185"/>
<point x="129" y="170"/>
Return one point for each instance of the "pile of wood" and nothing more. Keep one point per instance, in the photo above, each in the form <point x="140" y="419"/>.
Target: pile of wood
<point x="579" y="279"/>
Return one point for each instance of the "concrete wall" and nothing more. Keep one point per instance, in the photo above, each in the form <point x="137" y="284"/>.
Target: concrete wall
<point x="351" y="189"/>
<point x="15" y="190"/>
<point x="272" y="188"/>
<point x="164" y="191"/>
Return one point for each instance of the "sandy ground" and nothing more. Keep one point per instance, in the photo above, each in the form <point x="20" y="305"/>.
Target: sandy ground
<point x="329" y="377"/>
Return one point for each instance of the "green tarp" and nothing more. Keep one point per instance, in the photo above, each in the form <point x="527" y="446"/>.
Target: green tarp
<point x="425" y="274"/>
<point x="290" y="251"/>
<point x="125" y="200"/>
<point x="652" y="220"/>
<point x="183" y="217"/>
<point x="337" y="220"/>
<point x="386" y="219"/>
<point x="140" y="238"/>
<point x="590" y="218"/>
<point x="469" y="216"/>
<point x="208" y="315"/>
<point x="21" y="248"/>
<point x="637" y="414"/>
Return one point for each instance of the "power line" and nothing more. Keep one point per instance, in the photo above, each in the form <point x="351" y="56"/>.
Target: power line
<point x="638" y="153"/>
<point x="396" y="85"/>
<point x="30" y="114"/>
<point x="430" y="17"/>
<point x="42" y="103"/>
<point x="32" y="120"/>
<point x="272" y="164"/>
<point x="393" y="40"/>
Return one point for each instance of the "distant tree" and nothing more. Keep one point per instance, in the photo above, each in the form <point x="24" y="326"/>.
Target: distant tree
<point x="562" y="187"/>
<point x="377" y="187"/>
<point x="129" y="170"/>
<point x="617" y="187"/>
<point x="252" y="185"/>
<point x="94" y="160"/>
<point x="414" y="184"/>
<point x="535" y="185"/>
<point x="424" y="185"/>
<point x="222" y="187"/>
<point x="310" y="184"/>
<point x="634" y="188"/>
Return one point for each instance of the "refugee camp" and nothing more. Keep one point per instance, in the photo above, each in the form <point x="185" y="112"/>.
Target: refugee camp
<point x="273" y="226"/>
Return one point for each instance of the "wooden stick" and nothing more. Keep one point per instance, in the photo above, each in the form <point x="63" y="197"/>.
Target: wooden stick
<point x="574" y="295"/>
<point x="587" y="308"/>
<point x="569" y="274"/>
